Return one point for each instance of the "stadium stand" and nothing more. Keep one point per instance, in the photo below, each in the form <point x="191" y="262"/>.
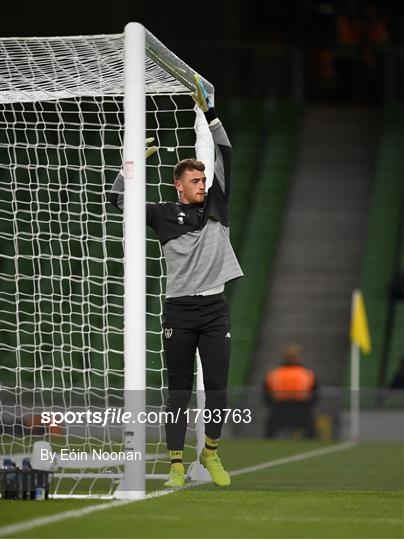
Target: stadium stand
<point x="382" y="241"/>
<point x="246" y="141"/>
<point x="262" y="225"/>
<point x="320" y="251"/>
<point x="396" y="345"/>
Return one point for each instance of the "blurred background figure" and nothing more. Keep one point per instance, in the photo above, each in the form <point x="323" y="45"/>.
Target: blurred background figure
<point x="291" y="392"/>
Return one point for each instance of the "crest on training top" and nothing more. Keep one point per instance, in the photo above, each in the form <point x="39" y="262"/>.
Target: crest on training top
<point x="168" y="332"/>
<point x="180" y="218"/>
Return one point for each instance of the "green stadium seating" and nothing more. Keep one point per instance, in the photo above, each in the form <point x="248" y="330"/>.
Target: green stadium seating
<point x="379" y="262"/>
<point x="396" y="345"/>
<point x="247" y="154"/>
<point x="263" y="210"/>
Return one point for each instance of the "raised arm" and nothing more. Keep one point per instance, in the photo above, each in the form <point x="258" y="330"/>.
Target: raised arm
<point x="117" y="192"/>
<point x="223" y="154"/>
<point x="223" y="150"/>
<point x="116" y="195"/>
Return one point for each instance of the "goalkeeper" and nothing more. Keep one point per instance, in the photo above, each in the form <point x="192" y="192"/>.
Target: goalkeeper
<point x="200" y="260"/>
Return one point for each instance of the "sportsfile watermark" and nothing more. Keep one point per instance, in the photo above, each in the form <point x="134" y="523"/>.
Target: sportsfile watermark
<point x="118" y="416"/>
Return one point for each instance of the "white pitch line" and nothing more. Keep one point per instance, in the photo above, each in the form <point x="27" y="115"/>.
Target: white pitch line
<point x="296" y="457"/>
<point x="47" y="520"/>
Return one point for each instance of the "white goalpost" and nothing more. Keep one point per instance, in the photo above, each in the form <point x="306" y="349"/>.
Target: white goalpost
<point x="135" y="255"/>
<point x="83" y="285"/>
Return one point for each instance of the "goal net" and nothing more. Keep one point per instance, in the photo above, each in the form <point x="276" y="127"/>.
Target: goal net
<point x="62" y="295"/>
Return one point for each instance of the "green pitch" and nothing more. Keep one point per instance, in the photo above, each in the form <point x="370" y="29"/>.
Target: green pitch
<point x="353" y="493"/>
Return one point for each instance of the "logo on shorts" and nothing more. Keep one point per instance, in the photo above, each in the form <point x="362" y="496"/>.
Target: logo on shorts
<point x="228" y="334"/>
<point x="168" y="332"/>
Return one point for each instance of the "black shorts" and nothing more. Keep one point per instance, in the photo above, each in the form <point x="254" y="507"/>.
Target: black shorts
<point x="196" y="312"/>
<point x="191" y="323"/>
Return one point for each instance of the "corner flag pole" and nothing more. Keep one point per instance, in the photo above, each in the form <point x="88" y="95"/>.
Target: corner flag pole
<point x="360" y="341"/>
<point x="355" y="391"/>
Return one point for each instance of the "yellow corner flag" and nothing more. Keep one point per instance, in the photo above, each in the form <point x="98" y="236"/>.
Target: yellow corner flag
<point x="359" y="324"/>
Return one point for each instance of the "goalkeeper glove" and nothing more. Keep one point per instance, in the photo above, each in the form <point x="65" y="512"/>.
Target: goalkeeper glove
<point x="150" y="150"/>
<point x="201" y="96"/>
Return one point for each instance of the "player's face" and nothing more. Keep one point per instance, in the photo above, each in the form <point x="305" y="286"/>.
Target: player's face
<point x="192" y="186"/>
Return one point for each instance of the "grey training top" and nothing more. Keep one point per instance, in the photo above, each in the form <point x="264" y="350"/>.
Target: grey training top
<point x="195" y="237"/>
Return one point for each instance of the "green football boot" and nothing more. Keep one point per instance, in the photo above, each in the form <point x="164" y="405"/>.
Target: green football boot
<point x="216" y="470"/>
<point x="176" y="478"/>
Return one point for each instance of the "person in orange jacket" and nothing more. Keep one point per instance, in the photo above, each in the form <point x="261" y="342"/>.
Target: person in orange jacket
<point x="291" y="392"/>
